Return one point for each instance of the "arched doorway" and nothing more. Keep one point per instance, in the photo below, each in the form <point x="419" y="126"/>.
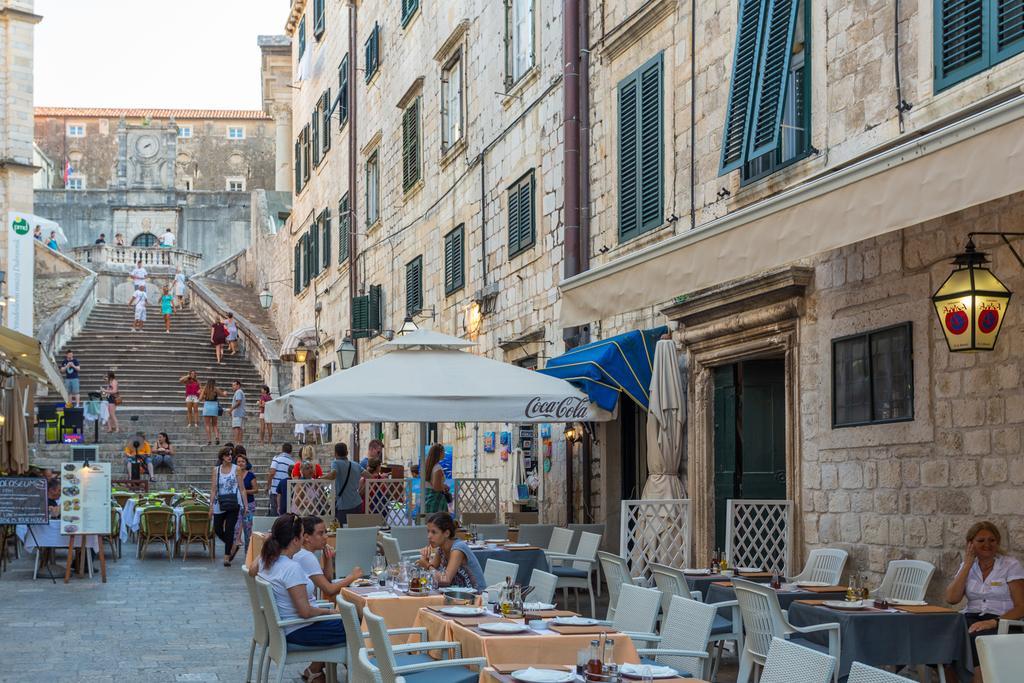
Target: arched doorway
<point x="146" y="239"/>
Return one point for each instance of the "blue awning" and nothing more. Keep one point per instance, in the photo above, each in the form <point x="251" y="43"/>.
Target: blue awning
<point x="604" y="368"/>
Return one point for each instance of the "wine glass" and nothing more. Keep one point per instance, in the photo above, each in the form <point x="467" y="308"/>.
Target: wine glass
<point x="379" y="566"/>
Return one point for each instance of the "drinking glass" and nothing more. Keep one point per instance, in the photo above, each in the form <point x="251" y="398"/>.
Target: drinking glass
<point x="379" y="565"/>
<point x="646" y="674"/>
<point x="403" y="578"/>
<point x="852" y="590"/>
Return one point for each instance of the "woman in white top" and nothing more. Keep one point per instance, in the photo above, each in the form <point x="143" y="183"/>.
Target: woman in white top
<point x="315" y="540"/>
<point x="228" y="500"/>
<point x="179" y="288"/>
<point x="992" y="582"/>
<point x="293" y="592"/>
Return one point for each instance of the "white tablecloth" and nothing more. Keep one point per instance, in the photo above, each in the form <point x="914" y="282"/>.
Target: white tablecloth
<point x="94" y="410"/>
<point x="49" y="536"/>
<point x="131" y="517"/>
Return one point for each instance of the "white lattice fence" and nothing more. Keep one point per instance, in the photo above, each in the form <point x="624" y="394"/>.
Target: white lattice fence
<point x="759" y="533"/>
<point x="391" y="498"/>
<point x="311" y="497"/>
<point x="476" y="495"/>
<point x="655" y="531"/>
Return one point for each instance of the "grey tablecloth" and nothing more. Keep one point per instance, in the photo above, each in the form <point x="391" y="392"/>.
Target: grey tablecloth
<point x="892" y="638"/>
<point x="786" y="598"/>
<point x="701" y="583"/>
<point x="528" y="560"/>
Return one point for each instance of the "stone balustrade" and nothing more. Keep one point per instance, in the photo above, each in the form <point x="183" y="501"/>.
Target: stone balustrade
<point x="98" y="256"/>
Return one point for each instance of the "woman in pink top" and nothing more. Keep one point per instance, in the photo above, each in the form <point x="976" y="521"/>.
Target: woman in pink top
<point x="266" y="429"/>
<point x="192" y="386"/>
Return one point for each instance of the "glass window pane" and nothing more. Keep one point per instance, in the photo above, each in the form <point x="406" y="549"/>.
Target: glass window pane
<point x="893" y="376"/>
<point x="852" y="399"/>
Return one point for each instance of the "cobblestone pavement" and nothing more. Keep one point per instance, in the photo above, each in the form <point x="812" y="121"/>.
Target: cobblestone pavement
<point x="153" y="620"/>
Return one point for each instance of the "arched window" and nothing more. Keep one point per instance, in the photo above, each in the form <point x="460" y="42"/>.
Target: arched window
<point x="146" y="239"/>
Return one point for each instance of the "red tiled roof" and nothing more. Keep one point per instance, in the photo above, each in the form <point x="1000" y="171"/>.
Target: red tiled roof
<point x="115" y="112"/>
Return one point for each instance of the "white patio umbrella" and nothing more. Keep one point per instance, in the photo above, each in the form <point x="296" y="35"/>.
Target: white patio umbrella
<point x="427" y="377"/>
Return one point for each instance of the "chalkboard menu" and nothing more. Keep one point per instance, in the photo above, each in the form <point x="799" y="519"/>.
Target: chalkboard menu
<point x="23" y="500"/>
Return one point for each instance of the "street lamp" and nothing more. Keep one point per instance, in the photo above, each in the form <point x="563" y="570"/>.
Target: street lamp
<point x="408" y="326"/>
<point x="266" y="298"/>
<point x="301" y="352"/>
<point x="572" y="433"/>
<point x="346" y="353"/>
<point x="971" y="303"/>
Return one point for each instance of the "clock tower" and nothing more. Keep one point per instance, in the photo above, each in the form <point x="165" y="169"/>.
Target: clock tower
<point x="145" y="156"/>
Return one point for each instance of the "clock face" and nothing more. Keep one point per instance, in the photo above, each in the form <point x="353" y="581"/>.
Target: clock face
<point x="147" y="146"/>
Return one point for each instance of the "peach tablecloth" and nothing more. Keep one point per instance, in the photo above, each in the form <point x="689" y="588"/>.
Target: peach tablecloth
<point x="491" y="676"/>
<point x="255" y="546"/>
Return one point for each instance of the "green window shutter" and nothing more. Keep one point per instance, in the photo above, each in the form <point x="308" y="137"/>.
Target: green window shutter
<point x="376" y="309"/>
<point x="961" y="45"/>
<point x="1008" y="29"/>
<point x="302" y="36"/>
<point x="315" y="126"/>
<point x="325" y="125"/>
<point x="343" y="223"/>
<point x="414" y="286"/>
<point x="306" y="274"/>
<point x="372" y="52"/>
<point x="773" y="75"/>
<point x="325" y="238"/>
<point x="297" y="272"/>
<point x="629" y="172"/>
<point x="319" y="20"/>
<point x="454" y="260"/>
<point x="650" y="145"/>
<point x="314" y="249"/>
<point x="297" y="161"/>
<point x="361" y="317"/>
<point x="343" y="92"/>
<point x="513" y="222"/>
<point x="741" y="85"/>
<point x="409" y="8"/>
<point x="305" y="154"/>
<point x="521" y="225"/>
<point x="411" y="145"/>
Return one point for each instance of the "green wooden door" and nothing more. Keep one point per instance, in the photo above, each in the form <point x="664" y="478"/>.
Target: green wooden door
<point x="750" y="435"/>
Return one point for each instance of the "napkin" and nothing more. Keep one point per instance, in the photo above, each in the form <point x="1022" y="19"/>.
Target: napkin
<point x="379" y="594"/>
<point x="639" y="670"/>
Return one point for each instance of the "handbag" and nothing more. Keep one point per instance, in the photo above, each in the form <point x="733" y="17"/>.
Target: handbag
<point x="117" y="399"/>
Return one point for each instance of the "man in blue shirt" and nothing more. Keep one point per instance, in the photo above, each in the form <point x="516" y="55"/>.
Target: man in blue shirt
<point x="69" y="369"/>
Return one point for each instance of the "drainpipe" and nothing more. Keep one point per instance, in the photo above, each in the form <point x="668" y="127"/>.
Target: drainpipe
<point x="353" y="279"/>
<point x="483" y="216"/>
<point x="571" y="134"/>
<point x="584" y="136"/>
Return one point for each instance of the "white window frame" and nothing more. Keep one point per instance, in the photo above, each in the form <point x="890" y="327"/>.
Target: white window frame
<point x="240" y="136"/>
<point x="234" y="179"/>
<point x="75" y="182"/>
<point x="184" y="131"/>
<point x="520" y="52"/>
<point x="76" y="130"/>
<point x="453" y="99"/>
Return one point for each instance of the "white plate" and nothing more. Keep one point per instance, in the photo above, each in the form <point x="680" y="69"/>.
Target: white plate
<point x="908" y="603"/>
<point x="495" y="540"/>
<point x="457" y="611"/>
<point x="845" y="604"/>
<point x="573" y="621"/>
<point x="517" y="545"/>
<point x="697" y="572"/>
<point x="532" y="675"/>
<point x="748" y="570"/>
<point x="477" y="546"/>
<point x="653" y="670"/>
<point x="813" y="584"/>
<point x="535" y="606"/>
<point x="503" y="627"/>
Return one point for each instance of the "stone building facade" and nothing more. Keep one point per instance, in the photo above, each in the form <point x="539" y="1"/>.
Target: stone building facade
<point x="821" y="229"/>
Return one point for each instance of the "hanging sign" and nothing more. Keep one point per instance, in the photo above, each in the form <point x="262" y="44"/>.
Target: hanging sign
<point x="85" y="498"/>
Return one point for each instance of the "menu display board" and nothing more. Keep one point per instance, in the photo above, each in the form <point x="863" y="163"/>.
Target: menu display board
<point x="23" y="500"/>
<point x="85" y="498"/>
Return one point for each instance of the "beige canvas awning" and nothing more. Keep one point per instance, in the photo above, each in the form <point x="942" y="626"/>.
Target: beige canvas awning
<point x="25" y="355"/>
<point x="969" y="162"/>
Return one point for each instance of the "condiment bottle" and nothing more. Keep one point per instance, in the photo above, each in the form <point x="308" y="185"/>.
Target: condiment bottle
<point x="594" y="664"/>
<point x="776" y="583"/>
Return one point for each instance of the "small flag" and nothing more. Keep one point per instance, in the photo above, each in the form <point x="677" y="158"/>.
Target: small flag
<point x="67" y="170"/>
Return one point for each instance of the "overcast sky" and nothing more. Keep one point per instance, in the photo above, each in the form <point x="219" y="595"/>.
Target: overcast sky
<point x="151" y="53"/>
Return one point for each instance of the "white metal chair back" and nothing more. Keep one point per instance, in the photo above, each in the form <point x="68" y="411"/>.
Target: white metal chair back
<point x="392" y="553"/>
<point x="263" y="523"/>
<point x="587" y="549"/>
<point x="353" y="630"/>
<point x="277" y="647"/>
<point x="1001" y="657"/>
<point x="495" y="571"/>
<point x="561" y="539"/>
<point x="543" y="586"/>
<point x="906" y="579"/>
<point x="354" y="548"/>
<point x="383" y="655"/>
<point x="637" y="610"/>
<point x="589" y="528"/>
<point x="489" y="531"/>
<point x="260" y="635"/>
<point x="616" y="573"/>
<point x="365" y="671"/>
<point x="670" y="581"/>
<point x="409" y="537"/>
<point x="762" y="616"/>
<point x="824" y="564"/>
<point x="687" y="626"/>
<point x="536" y="534"/>
<point x="788" y="662"/>
<point x="862" y="673"/>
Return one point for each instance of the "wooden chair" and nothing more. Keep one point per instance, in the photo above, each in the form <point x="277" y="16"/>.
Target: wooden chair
<point x="167" y="497"/>
<point x="196" y="527"/>
<point x="361" y="521"/>
<point x="156" y="525"/>
<point x="113" y="539"/>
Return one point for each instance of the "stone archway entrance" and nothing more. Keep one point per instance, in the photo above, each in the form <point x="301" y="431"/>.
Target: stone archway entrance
<point x="743" y="336"/>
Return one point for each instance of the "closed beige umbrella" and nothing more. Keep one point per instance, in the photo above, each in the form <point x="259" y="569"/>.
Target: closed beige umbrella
<point x="15" y="433"/>
<point x="665" y="420"/>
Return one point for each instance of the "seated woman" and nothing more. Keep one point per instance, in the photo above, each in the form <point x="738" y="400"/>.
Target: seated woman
<point x="315" y="539"/>
<point x="992" y="582"/>
<point x="455" y="563"/>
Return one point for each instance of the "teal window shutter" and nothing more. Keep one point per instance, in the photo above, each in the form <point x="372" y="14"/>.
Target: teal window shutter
<point x="376" y="308"/>
<point x="325" y="238"/>
<point x="297" y="161"/>
<point x="315" y="126"/>
<point x="325" y="122"/>
<point x="629" y="223"/>
<point x="297" y="270"/>
<point x="414" y="286"/>
<point x="314" y="249"/>
<point x="343" y="223"/>
<point x="973" y="35"/>
<point x="343" y="91"/>
<point x="306" y="270"/>
<point x="1008" y="29"/>
<point x="361" y="317"/>
<point x="742" y="85"/>
<point x="454" y="260"/>
<point x="641" y="150"/>
<point x="302" y="36"/>
<point x="411" y="145"/>
<point x="319" y="20"/>
<point x="779" y="24"/>
<point x="409" y="8"/>
<point x="521" y="226"/>
<point x="372" y="48"/>
<point x="305" y="154"/>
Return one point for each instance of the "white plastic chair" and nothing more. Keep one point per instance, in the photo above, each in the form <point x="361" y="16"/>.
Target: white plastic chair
<point x="616" y="573"/>
<point x="684" y="638"/>
<point x="1005" y="624"/>
<point x="355" y="548"/>
<point x="906" y="580"/>
<point x="260" y="636"/>
<point x="544" y="586"/>
<point x="536" y="534"/>
<point x="561" y="539"/>
<point x="1001" y="657"/>
<point x="862" y="673"/>
<point x="355" y="638"/>
<point x="495" y="571"/>
<point x="637" y="613"/>
<point x="491" y="530"/>
<point x="671" y="581"/>
<point x="263" y="524"/>
<point x="454" y="670"/>
<point x="579" y="574"/>
<point x="823" y="564"/>
<point x="788" y="661"/>
<point x="764" y="620"/>
<point x="392" y="553"/>
<point x="281" y="652"/>
<point x="411" y="539"/>
<point x="365" y="671"/>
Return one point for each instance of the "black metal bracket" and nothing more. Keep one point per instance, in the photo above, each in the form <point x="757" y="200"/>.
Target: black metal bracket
<point x="1006" y="240"/>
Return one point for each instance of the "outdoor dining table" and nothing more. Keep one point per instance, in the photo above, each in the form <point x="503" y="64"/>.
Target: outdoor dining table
<point x="492" y="675"/>
<point x="49" y="536"/>
<point x="701" y="582"/>
<point x="539" y="647"/>
<point x="398" y="610"/>
<point x="788" y="594"/>
<point x="528" y="559"/>
<point x="900" y="636"/>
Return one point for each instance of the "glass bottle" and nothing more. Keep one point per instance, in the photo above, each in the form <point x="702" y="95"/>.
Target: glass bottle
<point x="776" y="583"/>
<point x="594" y="664"/>
<point x="723" y="563"/>
<point x="852" y="591"/>
<point x="609" y="652"/>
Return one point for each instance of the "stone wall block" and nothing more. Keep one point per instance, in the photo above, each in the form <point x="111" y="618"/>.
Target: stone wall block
<point x="977" y="442"/>
<point x="916" y="532"/>
<point x="968" y="412"/>
<point x="935" y="473"/>
<point x="839" y="501"/>
<point x="1005" y="501"/>
<point x="994" y="471"/>
<point x="829" y="476"/>
<point x="911" y="474"/>
<point x="1006" y="441"/>
<point x="924" y="501"/>
<point x="850" y="475"/>
<point x="963" y="472"/>
<point x="849" y="528"/>
<point x="885" y="502"/>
